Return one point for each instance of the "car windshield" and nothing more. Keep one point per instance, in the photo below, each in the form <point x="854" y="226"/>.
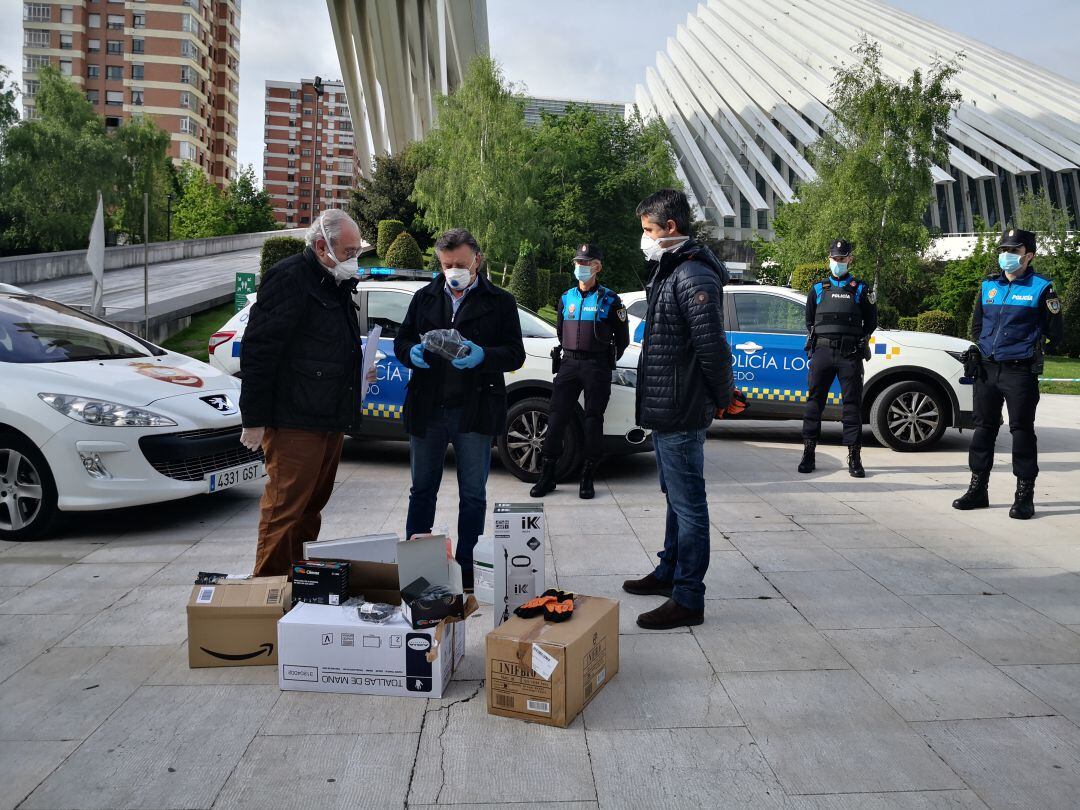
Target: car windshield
<point x="37" y="330"/>
<point x="533" y="326"/>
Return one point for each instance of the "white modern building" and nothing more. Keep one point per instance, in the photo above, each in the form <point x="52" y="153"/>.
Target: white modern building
<point x="536" y="106"/>
<point x="396" y="58"/>
<point x="744" y="89"/>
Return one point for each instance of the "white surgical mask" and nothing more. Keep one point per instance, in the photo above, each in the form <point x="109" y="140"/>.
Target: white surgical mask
<point x="838" y="269"/>
<point x="457" y="278"/>
<point x="652" y="248"/>
<point x="342" y="270"/>
<point x="583" y="272"/>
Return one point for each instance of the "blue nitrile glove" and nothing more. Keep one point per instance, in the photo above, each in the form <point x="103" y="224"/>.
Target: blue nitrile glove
<point x="416" y="356"/>
<point x="474" y="358"/>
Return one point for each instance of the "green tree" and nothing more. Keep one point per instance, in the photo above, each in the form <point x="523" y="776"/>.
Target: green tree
<point x="144" y="167"/>
<point x="248" y="207"/>
<point x="481" y="169"/>
<point x="52" y="169"/>
<point x="387" y="194"/>
<point x="598" y="168"/>
<point x="202" y="210"/>
<point x="957" y="281"/>
<point x="9" y="92"/>
<point x="275" y="249"/>
<point x="387" y="231"/>
<point x="404" y="253"/>
<point x="874" y="180"/>
<point x="523" y="281"/>
<point x="1059" y="247"/>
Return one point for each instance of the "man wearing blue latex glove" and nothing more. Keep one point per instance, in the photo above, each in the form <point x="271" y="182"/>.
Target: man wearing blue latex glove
<point x="460" y="402"/>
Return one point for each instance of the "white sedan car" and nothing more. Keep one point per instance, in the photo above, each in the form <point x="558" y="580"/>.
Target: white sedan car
<point x="383" y="296"/>
<point x="92" y="417"/>
<point x="914" y="389"/>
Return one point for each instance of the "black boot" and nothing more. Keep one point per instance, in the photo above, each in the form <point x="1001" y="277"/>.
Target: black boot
<point x="854" y="461"/>
<point x="648" y="585"/>
<point x="976" y="496"/>
<point x="670" y="615"/>
<point x="546" y="483"/>
<point x="586" y="491"/>
<point x="808" y="462"/>
<point x="1023" y="507"/>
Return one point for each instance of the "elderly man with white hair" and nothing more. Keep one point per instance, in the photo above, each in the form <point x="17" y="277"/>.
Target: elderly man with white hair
<point x="300" y="361"/>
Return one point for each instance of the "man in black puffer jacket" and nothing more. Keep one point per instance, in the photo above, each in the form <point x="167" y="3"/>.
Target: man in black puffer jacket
<point x="684" y="381"/>
<point x="301" y="360"/>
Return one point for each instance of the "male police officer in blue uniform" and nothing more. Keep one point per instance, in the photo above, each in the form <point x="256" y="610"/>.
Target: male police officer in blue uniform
<point x="593" y="334"/>
<point x="1017" y="317"/>
<point x="841" y="314"/>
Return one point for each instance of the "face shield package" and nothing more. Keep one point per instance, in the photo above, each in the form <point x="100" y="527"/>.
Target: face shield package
<point x="376" y="612"/>
<point x="446" y="343"/>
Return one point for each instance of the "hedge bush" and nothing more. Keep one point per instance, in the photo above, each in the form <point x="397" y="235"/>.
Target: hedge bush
<point x="404" y="253"/>
<point x="434" y="265"/>
<point x="275" y="249"/>
<point x="804" y="275"/>
<point x="937" y="322"/>
<point x="909" y="322"/>
<point x="523" y="281"/>
<point x="558" y="284"/>
<point x="389" y="230"/>
<point x="1070" y="311"/>
<point x="543" y="287"/>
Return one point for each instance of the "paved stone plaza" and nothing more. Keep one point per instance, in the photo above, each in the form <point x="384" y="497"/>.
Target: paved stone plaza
<point x="865" y="646"/>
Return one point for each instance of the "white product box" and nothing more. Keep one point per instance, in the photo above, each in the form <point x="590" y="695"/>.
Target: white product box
<point x="377" y="548"/>
<point x="324" y="648"/>
<point x="519" y="556"/>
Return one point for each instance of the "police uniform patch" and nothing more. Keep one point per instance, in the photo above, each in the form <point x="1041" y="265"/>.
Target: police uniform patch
<point x="701" y="298"/>
<point x="572" y="308"/>
<point x="1054" y="305"/>
<point x="621" y="314"/>
<point x="992" y="294"/>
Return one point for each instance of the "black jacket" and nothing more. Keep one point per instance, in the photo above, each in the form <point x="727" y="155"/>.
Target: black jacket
<point x="300" y="357"/>
<point x="684" y="373"/>
<point x="489" y="318"/>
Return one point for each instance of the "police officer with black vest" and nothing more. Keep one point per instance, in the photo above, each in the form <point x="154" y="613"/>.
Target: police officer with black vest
<point x="593" y="334"/>
<point x="841" y="314"/>
<point x="1017" y="318"/>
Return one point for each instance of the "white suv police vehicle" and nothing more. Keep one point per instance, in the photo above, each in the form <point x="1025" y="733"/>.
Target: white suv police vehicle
<point x="914" y="389"/>
<point x="383" y="296"/>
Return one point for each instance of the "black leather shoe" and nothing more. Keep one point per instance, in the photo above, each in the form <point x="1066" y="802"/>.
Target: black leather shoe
<point x="808" y="463"/>
<point x="586" y="491"/>
<point x="648" y="585"/>
<point x="854" y="461"/>
<point x="977" y="496"/>
<point x="670" y="615"/>
<point x="1023" y="507"/>
<point x="546" y="483"/>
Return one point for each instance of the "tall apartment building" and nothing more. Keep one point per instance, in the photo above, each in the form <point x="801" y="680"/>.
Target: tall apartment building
<point x="174" y="60"/>
<point x="309" y="162"/>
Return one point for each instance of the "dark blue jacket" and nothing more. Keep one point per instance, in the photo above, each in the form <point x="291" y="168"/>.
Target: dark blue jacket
<point x="592" y="322"/>
<point x="1013" y="320"/>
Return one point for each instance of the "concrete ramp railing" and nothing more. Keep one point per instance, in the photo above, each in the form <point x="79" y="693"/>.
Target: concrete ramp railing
<point x="35" y="267"/>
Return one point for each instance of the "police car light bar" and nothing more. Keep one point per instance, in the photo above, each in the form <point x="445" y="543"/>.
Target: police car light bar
<point x="396" y="272"/>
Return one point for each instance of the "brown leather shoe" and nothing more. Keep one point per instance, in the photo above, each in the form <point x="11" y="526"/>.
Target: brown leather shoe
<point x="669" y="616"/>
<point x="648" y="585"/>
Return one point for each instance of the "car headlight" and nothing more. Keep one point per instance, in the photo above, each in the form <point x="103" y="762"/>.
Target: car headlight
<point x="104" y="414"/>
<point x="624" y="376"/>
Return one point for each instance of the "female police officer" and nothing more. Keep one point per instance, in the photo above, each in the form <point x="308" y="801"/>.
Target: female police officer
<point x="1017" y="316"/>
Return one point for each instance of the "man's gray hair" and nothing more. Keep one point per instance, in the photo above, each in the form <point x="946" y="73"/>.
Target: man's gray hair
<point x="333" y="222"/>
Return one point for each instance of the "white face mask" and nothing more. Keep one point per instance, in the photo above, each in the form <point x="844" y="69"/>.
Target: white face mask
<point x="341" y="271"/>
<point x="457" y="278"/>
<point x="652" y="248"/>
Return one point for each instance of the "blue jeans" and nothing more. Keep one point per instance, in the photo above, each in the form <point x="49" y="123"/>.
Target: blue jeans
<point x="426" y="459"/>
<point x="680" y="460"/>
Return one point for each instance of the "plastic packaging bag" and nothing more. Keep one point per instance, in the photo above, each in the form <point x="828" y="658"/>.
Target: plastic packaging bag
<point x="376" y="612"/>
<point x="447" y="343"/>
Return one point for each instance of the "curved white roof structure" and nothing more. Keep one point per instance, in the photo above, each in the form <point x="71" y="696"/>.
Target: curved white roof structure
<point x="396" y="58"/>
<point x="744" y="88"/>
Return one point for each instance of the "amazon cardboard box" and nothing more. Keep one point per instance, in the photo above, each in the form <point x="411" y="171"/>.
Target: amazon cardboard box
<point x="547" y="672"/>
<point x="233" y="622"/>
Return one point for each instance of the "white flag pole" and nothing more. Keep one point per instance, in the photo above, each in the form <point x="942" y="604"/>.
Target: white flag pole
<point x="95" y="260"/>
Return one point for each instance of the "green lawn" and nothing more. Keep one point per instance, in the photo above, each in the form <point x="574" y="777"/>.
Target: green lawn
<point x="192" y="341"/>
<point x="1067" y="367"/>
<point x="548" y="314"/>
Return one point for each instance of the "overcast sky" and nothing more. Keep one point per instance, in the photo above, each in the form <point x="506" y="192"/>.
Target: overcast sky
<point x="576" y="49"/>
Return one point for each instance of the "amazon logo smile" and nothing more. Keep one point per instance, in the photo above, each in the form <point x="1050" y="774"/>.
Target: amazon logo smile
<point x="265" y="649"/>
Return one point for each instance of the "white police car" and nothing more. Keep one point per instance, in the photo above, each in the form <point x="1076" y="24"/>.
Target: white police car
<point x="383" y="296"/>
<point x="92" y="417"/>
<point x="913" y="390"/>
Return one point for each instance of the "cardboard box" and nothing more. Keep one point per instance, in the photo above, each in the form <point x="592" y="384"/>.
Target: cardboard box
<point x="233" y="623"/>
<point x="428" y="558"/>
<point x="548" y="672"/>
<point x="519" y="556"/>
<point x="381" y="548"/>
<point x="327" y="648"/>
<point x="320" y="582"/>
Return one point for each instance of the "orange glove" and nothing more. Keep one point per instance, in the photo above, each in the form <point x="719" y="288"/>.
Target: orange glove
<point x="737" y="406"/>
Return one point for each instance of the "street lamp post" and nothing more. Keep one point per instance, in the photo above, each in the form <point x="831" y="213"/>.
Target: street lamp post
<point x="317" y="85"/>
<point x="168" y="217"/>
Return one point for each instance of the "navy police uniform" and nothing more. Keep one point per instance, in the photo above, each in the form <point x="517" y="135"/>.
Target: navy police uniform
<point x="593" y="333"/>
<point x="841" y="314"/>
<point x="1014" y="323"/>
